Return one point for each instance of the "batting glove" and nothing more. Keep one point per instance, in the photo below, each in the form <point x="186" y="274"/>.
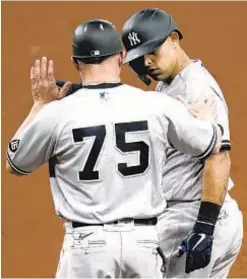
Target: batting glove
<point x="198" y="244"/>
<point x="198" y="249"/>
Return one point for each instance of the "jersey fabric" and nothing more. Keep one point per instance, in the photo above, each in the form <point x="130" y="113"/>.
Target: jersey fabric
<point x="195" y="85"/>
<point x="106" y="149"/>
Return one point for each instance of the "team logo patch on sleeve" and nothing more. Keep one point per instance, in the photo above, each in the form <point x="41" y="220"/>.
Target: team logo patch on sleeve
<point x="13" y="145"/>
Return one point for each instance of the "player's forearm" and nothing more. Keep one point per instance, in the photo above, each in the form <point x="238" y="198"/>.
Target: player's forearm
<point x="36" y="108"/>
<point x="215" y="178"/>
<point x="214" y="187"/>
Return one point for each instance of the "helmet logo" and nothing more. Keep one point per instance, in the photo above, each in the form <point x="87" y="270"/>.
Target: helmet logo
<point x="94" y="52"/>
<point x="133" y="38"/>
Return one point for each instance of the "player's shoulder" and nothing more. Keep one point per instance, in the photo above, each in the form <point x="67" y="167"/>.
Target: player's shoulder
<point x="51" y="113"/>
<point x="140" y="92"/>
<point x="134" y="93"/>
<point x="53" y="108"/>
<point x="150" y="96"/>
<point x="131" y="89"/>
<point x="198" y="79"/>
<point x="194" y="79"/>
<point x="82" y="97"/>
<point x="152" y="102"/>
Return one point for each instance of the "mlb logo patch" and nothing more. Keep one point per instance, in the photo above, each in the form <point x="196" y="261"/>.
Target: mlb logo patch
<point x="104" y="95"/>
<point x="95" y="52"/>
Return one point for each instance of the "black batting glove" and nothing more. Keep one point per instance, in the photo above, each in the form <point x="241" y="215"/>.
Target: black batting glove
<point x="198" y="244"/>
<point x="73" y="88"/>
<point x="198" y="249"/>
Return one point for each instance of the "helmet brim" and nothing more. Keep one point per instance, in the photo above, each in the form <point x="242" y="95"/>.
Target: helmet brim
<point x="142" y="50"/>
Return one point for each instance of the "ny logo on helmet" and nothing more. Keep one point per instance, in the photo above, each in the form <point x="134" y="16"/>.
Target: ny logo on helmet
<point x="134" y="40"/>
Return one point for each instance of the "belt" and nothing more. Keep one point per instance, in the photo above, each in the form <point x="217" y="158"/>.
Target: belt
<point x="137" y="222"/>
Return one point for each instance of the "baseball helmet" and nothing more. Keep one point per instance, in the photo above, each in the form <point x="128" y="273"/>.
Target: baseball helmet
<point x="95" y="40"/>
<point x="142" y="33"/>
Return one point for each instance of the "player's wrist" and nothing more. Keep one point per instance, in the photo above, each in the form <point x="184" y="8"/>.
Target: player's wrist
<point x="207" y="217"/>
<point x="37" y="105"/>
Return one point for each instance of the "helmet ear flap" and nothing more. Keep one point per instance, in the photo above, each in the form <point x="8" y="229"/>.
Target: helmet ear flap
<point x="140" y="69"/>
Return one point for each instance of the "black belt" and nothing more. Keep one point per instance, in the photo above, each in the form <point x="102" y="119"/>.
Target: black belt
<point x="137" y="222"/>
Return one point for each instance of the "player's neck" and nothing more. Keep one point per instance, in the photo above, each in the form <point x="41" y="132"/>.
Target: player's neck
<point x="93" y="81"/>
<point x="182" y="62"/>
<point x="97" y="75"/>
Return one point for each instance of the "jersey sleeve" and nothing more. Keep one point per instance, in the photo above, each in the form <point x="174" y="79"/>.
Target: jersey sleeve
<point x="33" y="146"/>
<point x="211" y="92"/>
<point x="222" y="119"/>
<point x="189" y="134"/>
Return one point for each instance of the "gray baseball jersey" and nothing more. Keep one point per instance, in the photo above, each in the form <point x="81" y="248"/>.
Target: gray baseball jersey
<point x="194" y="84"/>
<point x="107" y="150"/>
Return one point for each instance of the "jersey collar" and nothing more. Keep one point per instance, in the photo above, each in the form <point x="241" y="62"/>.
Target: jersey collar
<point x="102" y="85"/>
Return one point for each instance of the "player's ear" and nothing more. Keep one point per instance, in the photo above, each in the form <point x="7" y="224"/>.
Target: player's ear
<point x="75" y="62"/>
<point x="122" y="57"/>
<point x="174" y="37"/>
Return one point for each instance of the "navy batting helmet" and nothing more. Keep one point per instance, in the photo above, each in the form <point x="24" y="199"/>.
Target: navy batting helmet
<point x="142" y="33"/>
<point x="95" y="40"/>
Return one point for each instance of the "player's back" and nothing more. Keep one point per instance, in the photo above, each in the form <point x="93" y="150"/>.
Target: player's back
<point x="109" y="155"/>
<point x="107" y="149"/>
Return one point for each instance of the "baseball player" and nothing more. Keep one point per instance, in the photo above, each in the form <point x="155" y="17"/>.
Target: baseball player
<point x="106" y="147"/>
<point x="200" y="210"/>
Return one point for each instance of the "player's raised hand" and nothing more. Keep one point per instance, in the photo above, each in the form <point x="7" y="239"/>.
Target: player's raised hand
<point x="43" y="82"/>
